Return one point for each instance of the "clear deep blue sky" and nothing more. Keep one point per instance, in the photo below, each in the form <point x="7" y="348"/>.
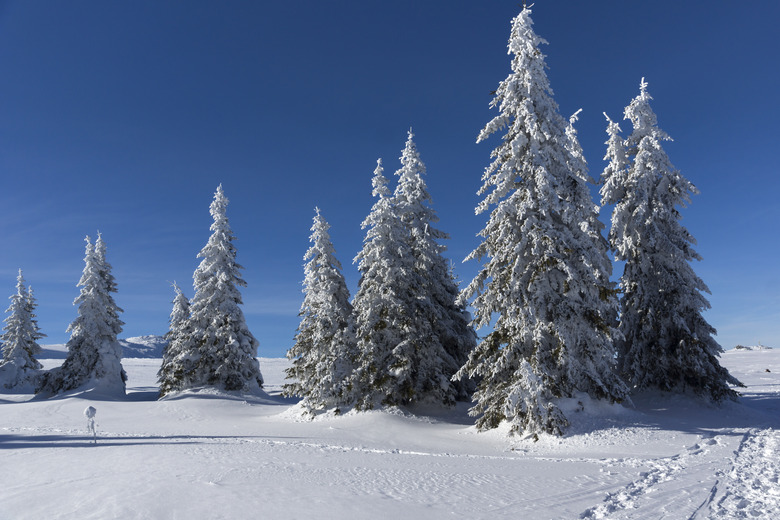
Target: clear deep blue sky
<point x="124" y="117"/>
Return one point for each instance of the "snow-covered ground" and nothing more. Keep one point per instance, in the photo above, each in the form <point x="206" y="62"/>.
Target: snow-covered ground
<point x="206" y="456"/>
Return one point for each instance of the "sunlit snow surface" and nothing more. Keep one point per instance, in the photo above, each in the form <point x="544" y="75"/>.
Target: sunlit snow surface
<point x="209" y="456"/>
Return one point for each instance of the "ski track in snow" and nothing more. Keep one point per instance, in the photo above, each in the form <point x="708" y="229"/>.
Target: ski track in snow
<point x="664" y="476"/>
<point x="743" y="486"/>
<point x="750" y="487"/>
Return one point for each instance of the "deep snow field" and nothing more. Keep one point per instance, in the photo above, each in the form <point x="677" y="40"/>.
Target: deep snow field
<point x="208" y="456"/>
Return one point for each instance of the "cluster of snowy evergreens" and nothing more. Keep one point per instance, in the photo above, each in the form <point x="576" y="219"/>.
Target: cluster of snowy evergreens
<point x="19" y="369"/>
<point x="558" y="326"/>
<point x="404" y="336"/>
<point x="94" y="354"/>
<point x="209" y="343"/>
<point x="664" y="341"/>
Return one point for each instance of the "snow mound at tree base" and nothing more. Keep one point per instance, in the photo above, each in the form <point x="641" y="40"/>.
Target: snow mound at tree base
<point x="97" y="389"/>
<point x="17" y="379"/>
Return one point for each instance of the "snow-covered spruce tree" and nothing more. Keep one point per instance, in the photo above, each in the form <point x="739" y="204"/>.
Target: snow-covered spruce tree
<point x="666" y="342"/>
<point x="104" y="269"/>
<point x="94" y="354"/>
<point x="170" y="372"/>
<point x="449" y="338"/>
<point x="384" y="370"/>
<point x="19" y="368"/>
<point x="547" y="271"/>
<point x="31" y="306"/>
<point x="214" y="346"/>
<point x="325" y="342"/>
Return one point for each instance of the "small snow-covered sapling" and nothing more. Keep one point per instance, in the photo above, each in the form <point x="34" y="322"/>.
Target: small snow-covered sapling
<point x="90" y="414"/>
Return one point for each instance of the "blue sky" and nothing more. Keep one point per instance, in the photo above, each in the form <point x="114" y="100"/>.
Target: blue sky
<point x="124" y="117"/>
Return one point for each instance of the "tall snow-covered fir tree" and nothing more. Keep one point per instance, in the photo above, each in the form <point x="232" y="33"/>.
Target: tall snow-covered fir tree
<point x="170" y="372"/>
<point x="104" y="270"/>
<point x="448" y="338"/>
<point x="31" y="306"/>
<point x="94" y="354"/>
<point x="214" y="346"/>
<point x="667" y="343"/>
<point x="19" y="367"/>
<point x="412" y="335"/>
<point x="384" y="371"/>
<point x="325" y="343"/>
<point x="546" y="278"/>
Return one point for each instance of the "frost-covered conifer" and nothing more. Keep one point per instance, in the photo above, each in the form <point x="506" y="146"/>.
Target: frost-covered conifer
<point x="170" y="371"/>
<point x="180" y="311"/>
<point x="31" y="306"/>
<point x="19" y="368"/>
<point x="546" y="277"/>
<point x="325" y="342"/>
<point x="412" y="336"/>
<point x="666" y="342"/>
<point x="445" y="337"/>
<point x="214" y="346"/>
<point x="104" y="269"/>
<point x="94" y="354"/>
<point x="384" y="372"/>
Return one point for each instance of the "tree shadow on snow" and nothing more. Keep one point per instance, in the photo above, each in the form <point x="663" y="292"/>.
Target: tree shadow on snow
<point x="257" y="398"/>
<point x="152" y="393"/>
<point x="457" y="415"/>
<point x="685" y="413"/>
<point x="149" y="393"/>
<point x="90" y="394"/>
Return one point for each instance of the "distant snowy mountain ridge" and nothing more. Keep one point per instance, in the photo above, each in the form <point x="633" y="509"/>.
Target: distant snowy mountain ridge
<point x="150" y="346"/>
